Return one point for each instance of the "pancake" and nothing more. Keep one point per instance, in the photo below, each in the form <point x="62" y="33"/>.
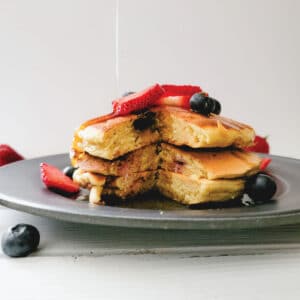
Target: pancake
<point x="195" y="191"/>
<point x="129" y="186"/>
<point x="121" y="187"/>
<point x="186" y="175"/>
<point x="176" y="186"/>
<point x="194" y="163"/>
<point x="113" y="137"/>
<point x="180" y="126"/>
<point x="209" y="164"/>
<point x="143" y="159"/>
<point x="110" y="137"/>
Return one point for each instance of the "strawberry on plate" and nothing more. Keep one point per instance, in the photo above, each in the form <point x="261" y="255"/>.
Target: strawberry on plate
<point x="8" y="155"/>
<point x="55" y="179"/>
<point x="137" y="101"/>
<point x="261" y="145"/>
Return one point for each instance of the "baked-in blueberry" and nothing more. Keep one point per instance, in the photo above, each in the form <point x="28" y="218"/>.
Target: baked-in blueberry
<point x="145" y="120"/>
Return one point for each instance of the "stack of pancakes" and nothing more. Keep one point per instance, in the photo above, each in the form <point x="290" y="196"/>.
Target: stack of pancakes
<point x="188" y="157"/>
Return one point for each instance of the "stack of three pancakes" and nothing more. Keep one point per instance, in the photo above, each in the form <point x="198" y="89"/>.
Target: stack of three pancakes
<point x="184" y="155"/>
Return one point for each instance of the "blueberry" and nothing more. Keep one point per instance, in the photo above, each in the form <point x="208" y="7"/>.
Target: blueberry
<point x="261" y="187"/>
<point x="204" y="105"/>
<point x="127" y="93"/>
<point x="145" y="120"/>
<point x="217" y="107"/>
<point x="20" y="240"/>
<point x="69" y="171"/>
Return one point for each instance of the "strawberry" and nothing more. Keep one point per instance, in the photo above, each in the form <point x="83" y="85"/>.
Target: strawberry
<point x="8" y="155"/>
<point x="260" y="145"/>
<point x="180" y="90"/>
<point x="264" y="163"/>
<point x="177" y="95"/>
<point x="55" y="179"/>
<point x="180" y="101"/>
<point x="137" y="101"/>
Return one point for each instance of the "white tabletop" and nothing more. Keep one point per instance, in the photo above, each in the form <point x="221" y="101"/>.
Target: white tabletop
<point x="78" y="261"/>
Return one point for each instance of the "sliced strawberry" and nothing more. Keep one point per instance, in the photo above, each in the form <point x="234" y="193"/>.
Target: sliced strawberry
<point x="180" y="101"/>
<point x="261" y="145"/>
<point x="180" y="90"/>
<point x="137" y="101"/>
<point x="55" y="179"/>
<point x="264" y="163"/>
<point x="8" y="155"/>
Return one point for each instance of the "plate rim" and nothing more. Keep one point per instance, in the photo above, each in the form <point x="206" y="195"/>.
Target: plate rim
<point x="157" y="220"/>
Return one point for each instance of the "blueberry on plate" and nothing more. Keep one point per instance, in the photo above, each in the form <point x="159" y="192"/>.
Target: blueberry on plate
<point x="20" y="240"/>
<point x="69" y="171"/>
<point x="204" y="105"/>
<point x="261" y="187"/>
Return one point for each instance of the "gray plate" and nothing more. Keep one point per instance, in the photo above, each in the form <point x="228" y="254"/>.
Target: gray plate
<point x="22" y="189"/>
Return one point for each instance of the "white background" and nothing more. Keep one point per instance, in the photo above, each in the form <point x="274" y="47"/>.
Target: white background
<point x="58" y="62"/>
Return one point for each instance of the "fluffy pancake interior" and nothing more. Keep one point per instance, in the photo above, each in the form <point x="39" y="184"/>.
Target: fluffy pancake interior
<point x="194" y="191"/>
<point x="181" y="127"/>
<point x="128" y="186"/>
<point x="143" y="159"/>
<point x="117" y="136"/>
<point x="188" y="176"/>
<point x="209" y="163"/>
<point x="120" y="186"/>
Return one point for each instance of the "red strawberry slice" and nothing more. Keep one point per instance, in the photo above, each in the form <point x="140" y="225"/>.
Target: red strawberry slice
<point x="180" y="101"/>
<point x="264" y="163"/>
<point x="261" y="145"/>
<point x="8" y="155"/>
<point x="137" y="101"/>
<point x="55" y="179"/>
<point x="180" y="90"/>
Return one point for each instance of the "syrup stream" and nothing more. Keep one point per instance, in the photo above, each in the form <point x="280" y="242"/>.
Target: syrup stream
<point x="117" y="48"/>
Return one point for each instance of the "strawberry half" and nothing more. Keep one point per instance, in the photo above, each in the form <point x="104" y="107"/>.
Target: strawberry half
<point x="261" y="145"/>
<point x="8" y="155"/>
<point x="177" y="95"/>
<point x="55" y="179"/>
<point x="180" y="101"/>
<point x="137" y="101"/>
<point x="180" y="90"/>
<point x="264" y="163"/>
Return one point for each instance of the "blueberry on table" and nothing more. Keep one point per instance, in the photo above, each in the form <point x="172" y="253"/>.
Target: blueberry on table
<point x="261" y="187"/>
<point x="204" y="105"/>
<point x="69" y="171"/>
<point x="20" y="240"/>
